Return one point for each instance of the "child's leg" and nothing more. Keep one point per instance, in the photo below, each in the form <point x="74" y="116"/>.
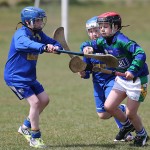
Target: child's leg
<point x="34" y="111"/>
<point x="111" y="105"/>
<point x="35" y="140"/>
<point x="25" y="129"/>
<point x="44" y="100"/>
<point x="129" y="137"/>
<point x="141" y="134"/>
<point x="122" y="107"/>
<point x="27" y="123"/>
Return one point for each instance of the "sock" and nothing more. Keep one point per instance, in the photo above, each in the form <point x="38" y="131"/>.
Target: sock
<point x="122" y="107"/>
<point x="119" y="125"/>
<point x="141" y="132"/>
<point x="27" y="123"/>
<point x="127" y="123"/>
<point x="35" y="133"/>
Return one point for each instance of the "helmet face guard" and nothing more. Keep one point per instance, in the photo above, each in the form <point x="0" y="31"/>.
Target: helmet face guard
<point x="110" y="17"/>
<point x="42" y="23"/>
<point x="32" y="15"/>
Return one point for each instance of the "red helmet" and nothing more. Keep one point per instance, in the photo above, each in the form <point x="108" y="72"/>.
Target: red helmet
<point x="110" y="17"/>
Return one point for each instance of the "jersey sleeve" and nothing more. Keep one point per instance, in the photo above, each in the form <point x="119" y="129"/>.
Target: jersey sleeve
<point x="26" y="42"/>
<point x="138" y="57"/>
<point x="48" y="40"/>
<point x="83" y="45"/>
<point x="23" y="43"/>
<point x="85" y="59"/>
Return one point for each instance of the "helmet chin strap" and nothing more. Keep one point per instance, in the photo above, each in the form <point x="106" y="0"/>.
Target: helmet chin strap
<point x="23" y="25"/>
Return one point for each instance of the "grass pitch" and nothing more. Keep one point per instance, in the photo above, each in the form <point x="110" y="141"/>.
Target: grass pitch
<point x="70" y="121"/>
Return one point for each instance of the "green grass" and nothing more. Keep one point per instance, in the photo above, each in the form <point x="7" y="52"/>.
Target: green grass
<point x="70" y="121"/>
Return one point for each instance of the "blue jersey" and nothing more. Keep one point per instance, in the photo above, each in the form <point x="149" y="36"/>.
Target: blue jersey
<point x="24" y="50"/>
<point x="102" y="83"/>
<point x="97" y="76"/>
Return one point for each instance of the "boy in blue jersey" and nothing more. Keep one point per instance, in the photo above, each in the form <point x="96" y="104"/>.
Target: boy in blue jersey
<point x="20" y="70"/>
<point x="133" y="86"/>
<point x="102" y="83"/>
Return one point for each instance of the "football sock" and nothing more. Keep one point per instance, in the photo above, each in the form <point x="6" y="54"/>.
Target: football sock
<point x="141" y="132"/>
<point x="126" y="123"/>
<point x="27" y="123"/>
<point x="35" y="133"/>
<point x="119" y="125"/>
<point x="123" y="109"/>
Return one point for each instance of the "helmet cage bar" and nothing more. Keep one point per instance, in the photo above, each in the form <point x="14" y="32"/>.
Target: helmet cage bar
<point x="110" y="19"/>
<point x="112" y="25"/>
<point x="32" y="22"/>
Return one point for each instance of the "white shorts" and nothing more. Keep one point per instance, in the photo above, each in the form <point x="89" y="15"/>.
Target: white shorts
<point x="135" y="90"/>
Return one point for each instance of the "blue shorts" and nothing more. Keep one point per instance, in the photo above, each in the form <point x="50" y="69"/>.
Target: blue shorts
<point x="101" y="92"/>
<point x="27" y="90"/>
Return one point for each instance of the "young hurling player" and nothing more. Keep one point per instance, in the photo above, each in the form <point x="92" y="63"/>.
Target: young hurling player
<point x="134" y="85"/>
<point x="20" y="70"/>
<point x="102" y="83"/>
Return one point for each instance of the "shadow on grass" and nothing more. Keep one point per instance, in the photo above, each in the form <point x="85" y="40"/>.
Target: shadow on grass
<point x="108" y="146"/>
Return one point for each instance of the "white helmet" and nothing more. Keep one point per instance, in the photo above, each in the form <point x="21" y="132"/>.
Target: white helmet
<point x="92" y="23"/>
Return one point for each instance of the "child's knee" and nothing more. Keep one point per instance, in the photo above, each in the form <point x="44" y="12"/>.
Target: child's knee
<point x="104" y="115"/>
<point x="45" y="101"/>
<point x="131" y="115"/>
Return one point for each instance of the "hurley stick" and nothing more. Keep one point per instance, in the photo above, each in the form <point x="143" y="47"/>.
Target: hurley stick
<point x="59" y="36"/>
<point x="116" y="73"/>
<point x="108" y="59"/>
